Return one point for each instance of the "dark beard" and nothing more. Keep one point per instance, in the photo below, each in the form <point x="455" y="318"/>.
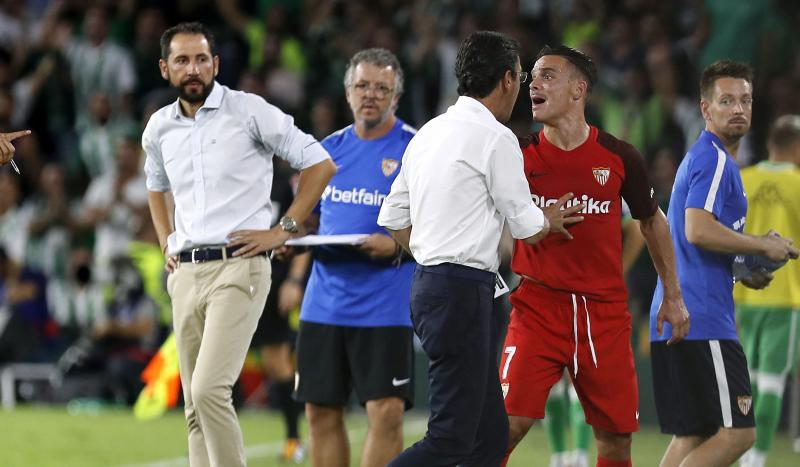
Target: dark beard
<point x="195" y="98"/>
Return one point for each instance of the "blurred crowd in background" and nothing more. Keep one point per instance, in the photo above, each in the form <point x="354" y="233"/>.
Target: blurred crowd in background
<point x="81" y="272"/>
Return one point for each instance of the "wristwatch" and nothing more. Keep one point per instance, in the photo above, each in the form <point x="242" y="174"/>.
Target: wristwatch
<point x="288" y="224"/>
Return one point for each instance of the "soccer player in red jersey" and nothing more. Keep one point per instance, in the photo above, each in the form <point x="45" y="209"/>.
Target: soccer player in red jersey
<point x="570" y="309"/>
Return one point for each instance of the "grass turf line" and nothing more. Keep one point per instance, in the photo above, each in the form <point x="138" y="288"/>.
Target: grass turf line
<point x="49" y="436"/>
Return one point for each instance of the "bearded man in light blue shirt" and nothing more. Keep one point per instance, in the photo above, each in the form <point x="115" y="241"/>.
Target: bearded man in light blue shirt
<point x="213" y="149"/>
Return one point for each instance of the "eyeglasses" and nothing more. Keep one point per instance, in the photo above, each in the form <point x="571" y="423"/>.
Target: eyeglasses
<point x="523" y="76"/>
<point x="380" y="90"/>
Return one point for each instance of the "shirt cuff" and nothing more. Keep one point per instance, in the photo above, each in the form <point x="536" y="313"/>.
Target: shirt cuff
<point x="526" y="224"/>
<point x="394" y="218"/>
<point x="313" y="154"/>
<point x="157" y="185"/>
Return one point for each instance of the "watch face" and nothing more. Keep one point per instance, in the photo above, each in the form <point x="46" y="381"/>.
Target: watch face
<point x="288" y="224"/>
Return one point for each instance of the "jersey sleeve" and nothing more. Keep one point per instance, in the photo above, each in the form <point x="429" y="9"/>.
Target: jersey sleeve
<point x="707" y="182"/>
<point x="636" y="188"/>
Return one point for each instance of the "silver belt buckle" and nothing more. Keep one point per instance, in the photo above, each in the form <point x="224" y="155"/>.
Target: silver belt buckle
<point x="194" y="250"/>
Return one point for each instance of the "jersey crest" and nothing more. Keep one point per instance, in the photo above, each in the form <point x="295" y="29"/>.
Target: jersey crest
<point x="601" y="174"/>
<point x="744" y="402"/>
<point x="389" y="166"/>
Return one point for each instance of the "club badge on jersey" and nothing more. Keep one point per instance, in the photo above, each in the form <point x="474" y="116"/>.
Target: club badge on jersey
<point x="601" y="174"/>
<point x="389" y="166"/>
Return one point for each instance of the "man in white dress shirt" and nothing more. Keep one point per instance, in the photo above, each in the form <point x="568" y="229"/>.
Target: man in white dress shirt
<point x="462" y="177"/>
<point x="213" y="150"/>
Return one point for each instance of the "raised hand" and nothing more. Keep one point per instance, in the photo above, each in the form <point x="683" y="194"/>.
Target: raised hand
<point x="6" y="148"/>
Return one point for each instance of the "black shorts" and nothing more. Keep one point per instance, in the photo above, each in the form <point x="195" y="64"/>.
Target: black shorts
<point x="378" y="362"/>
<point x="273" y="327"/>
<point x="700" y="386"/>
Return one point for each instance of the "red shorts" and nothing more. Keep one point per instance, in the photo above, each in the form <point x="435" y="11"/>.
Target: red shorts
<point x="541" y="342"/>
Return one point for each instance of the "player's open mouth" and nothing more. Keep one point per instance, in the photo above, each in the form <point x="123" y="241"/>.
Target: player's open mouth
<point x="537" y="100"/>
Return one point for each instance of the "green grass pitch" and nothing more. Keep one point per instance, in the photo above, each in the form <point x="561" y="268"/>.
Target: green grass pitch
<point x="49" y="436"/>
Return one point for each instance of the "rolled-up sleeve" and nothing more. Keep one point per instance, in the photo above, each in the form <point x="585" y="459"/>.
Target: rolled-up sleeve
<point x="505" y="178"/>
<point x="395" y="211"/>
<point x="155" y="174"/>
<point x="276" y="130"/>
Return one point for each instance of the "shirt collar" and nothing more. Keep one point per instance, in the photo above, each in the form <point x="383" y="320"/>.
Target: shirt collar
<point x="717" y="143"/>
<point x="714" y="139"/>
<point x="474" y="105"/>
<point x="213" y="101"/>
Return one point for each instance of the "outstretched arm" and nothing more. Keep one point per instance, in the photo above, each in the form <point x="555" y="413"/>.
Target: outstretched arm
<point x="705" y="231"/>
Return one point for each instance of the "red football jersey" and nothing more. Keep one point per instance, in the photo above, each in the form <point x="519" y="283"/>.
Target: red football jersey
<point x="598" y="173"/>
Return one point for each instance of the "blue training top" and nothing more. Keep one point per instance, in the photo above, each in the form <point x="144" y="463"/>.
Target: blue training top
<point x="346" y="287"/>
<point x="709" y="179"/>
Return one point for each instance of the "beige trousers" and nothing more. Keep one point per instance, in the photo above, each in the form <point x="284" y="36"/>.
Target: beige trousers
<point x="215" y="310"/>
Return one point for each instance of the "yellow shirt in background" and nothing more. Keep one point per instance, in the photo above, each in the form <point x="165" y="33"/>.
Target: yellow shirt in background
<point x="773" y="202"/>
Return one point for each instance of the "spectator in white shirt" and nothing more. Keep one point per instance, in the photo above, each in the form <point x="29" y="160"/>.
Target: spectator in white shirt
<point x="100" y="65"/>
<point x="213" y="149"/>
<point x="461" y="179"/>
<point x="115" y="206"/>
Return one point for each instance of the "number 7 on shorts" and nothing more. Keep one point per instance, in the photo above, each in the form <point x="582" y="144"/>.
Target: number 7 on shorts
<point x="510" y="350"/>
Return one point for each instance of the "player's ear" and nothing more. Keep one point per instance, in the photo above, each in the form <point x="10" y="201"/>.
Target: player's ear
<point x="508" y="80"/>
<point x="162" y="66"/>
<point x="580" y="90"/>
<point x="704" y="109"/>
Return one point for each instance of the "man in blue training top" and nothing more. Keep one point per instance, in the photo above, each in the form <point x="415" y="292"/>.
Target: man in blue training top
<point x="701" y="385"/>
<point x="355" y="326"/>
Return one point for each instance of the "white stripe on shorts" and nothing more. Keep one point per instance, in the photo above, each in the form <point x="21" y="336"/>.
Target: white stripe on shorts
<point x="722" y="384"/>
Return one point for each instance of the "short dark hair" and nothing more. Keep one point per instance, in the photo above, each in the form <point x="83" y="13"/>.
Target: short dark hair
<point x="378" y="57"/>
<point x="723" y="69"/>
<point x="578" y="59"/>
<point x="784" y="132"/>
<point x="185" y="28"/>
<point x="482" y="61"/>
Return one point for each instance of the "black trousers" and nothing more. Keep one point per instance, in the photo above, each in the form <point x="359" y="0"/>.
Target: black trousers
<point x="452" y="312"/>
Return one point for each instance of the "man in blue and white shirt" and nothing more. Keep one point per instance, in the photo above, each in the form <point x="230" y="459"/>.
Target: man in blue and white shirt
<point x="701" y="385"/>
<point x="213" y="150"/>
<point x="355" y="326"/>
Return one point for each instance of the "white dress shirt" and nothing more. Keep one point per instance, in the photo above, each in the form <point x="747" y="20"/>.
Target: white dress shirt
<point x="462" y="176"/>
<point x="219" y="164"/>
